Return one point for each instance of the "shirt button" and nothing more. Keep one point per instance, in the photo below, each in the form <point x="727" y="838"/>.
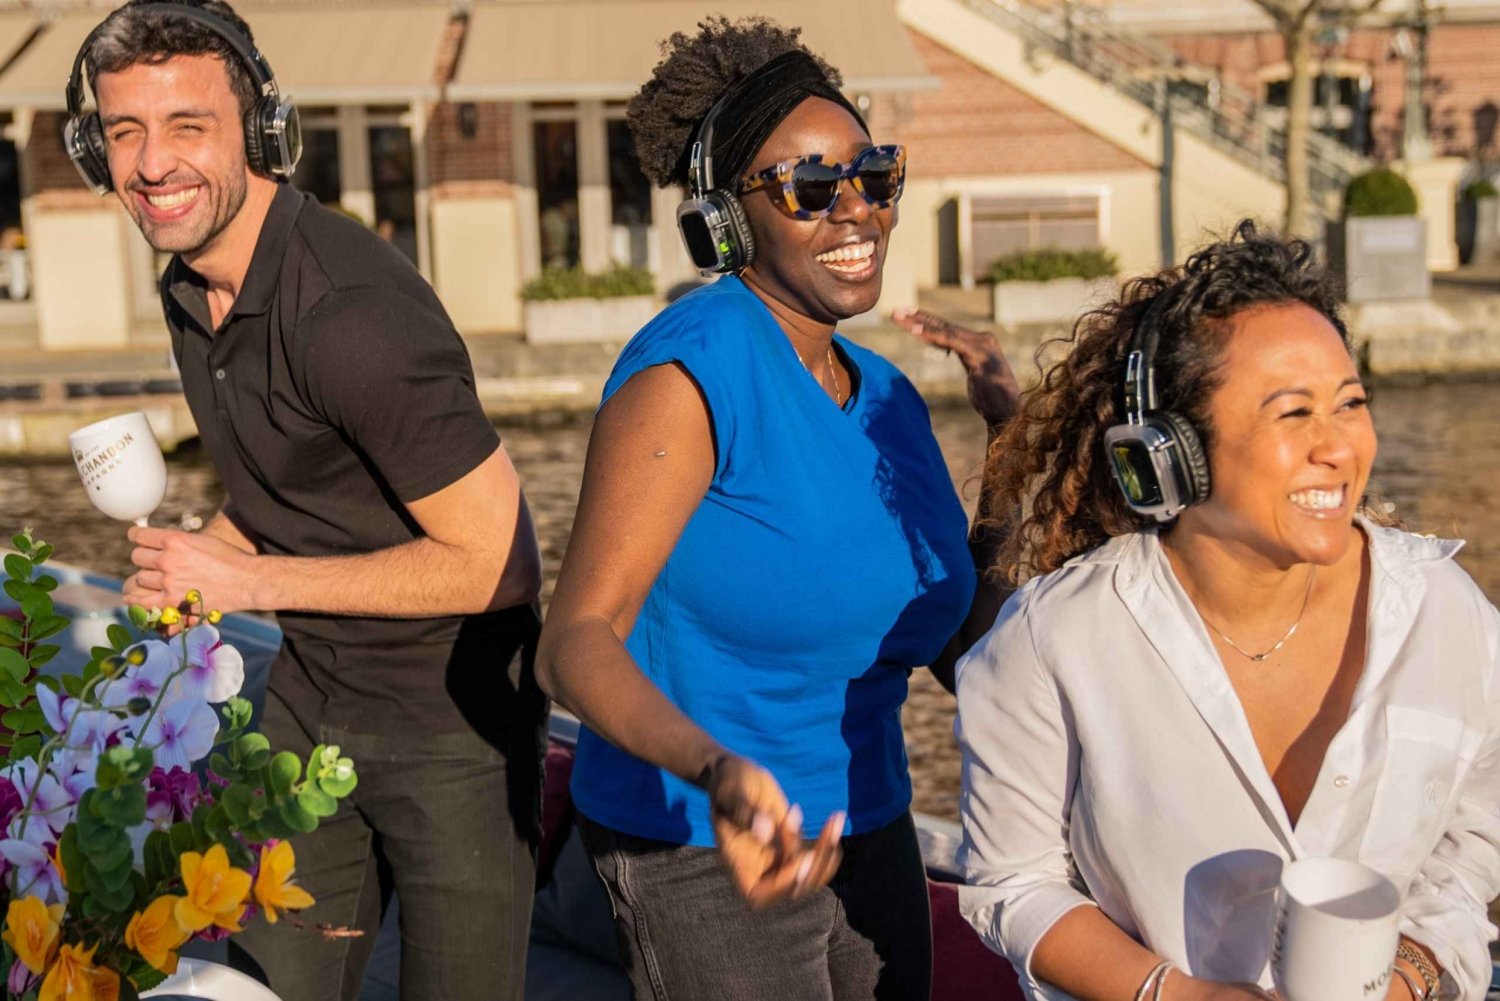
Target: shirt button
<point x="1340" y="781"/>
<point x="219" y="374"/>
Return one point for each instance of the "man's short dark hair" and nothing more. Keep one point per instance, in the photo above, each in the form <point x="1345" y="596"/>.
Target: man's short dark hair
<point x="132" y="35"/>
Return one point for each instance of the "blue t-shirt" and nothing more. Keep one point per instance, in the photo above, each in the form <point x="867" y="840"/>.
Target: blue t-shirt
<point x="828" y="558"/>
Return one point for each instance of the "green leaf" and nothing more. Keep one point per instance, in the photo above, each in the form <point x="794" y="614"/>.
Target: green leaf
<point x="37" y="604"/>
<point x="297" y="817"/>
<point x="237" y="804"/>
<point x="256" y="760"/>
<point x="336" y="787"/>
<point x="222" y="766"/>
<point x="247" y="744"/>
<point x="123" y="806"/>
<point x="284" y="770"/>
<point x="157" y="858"/>
<point x="13" y="664"/>
<point x="47" y="625"/>
<point x="239" y="856"/>
<point x="144" y="980"/>
<point x="200" y="823"/>
<point x="317" y="802"/>
<point x="18" y="590"/>
<point x="72" y="858"/>
<point x="237" y="711"/>
<point x="139" y="616"/>
<point x="118" y="854"/>
<point x="119" y="637"/>
<point x="183" y="839"/>
<point x="10" y="627"/>
<point x="27" y="747"/>
<point x="218" y="825"/>
<point x="18" y="567"/>
<point x="46" y="582"/>
<point x="23" y="720"/>
<point x="20" y="542"/>
<point x="41" y="654"/>
<point x="42" y="554"/>
<point x="12" y="693"/>
<point x="72" y="685"/>
<point x="121" y="765"/>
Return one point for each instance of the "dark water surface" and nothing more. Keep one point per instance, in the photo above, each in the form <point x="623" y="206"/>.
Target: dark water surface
<point x="1439" y="464"/>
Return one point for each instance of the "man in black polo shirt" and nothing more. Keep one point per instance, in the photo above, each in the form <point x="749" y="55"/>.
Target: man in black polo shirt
<point x="369" y="504"/>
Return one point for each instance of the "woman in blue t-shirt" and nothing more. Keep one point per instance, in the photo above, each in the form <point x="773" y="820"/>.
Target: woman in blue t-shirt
<point x="766" y="544"/>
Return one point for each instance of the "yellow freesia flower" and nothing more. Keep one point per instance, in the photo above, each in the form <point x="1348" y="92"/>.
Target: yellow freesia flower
<point x="74" y="977"/>
<point x="215" y="891"/>
<point x="273" y="884"/>
<point x="156" y="935"/>
<point x="31" y="930"/>
<point x="170" y="616"/>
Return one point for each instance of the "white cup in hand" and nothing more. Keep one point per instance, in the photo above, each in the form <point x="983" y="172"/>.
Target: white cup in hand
<point x="1336" y="932"/>
<point x="121" y="466"/>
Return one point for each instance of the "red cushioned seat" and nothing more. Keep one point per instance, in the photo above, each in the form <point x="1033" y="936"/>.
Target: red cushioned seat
<point x="963" y="967"/>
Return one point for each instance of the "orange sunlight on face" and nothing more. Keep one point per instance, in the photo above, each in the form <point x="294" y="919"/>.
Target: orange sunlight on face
<point x="1292" y="441"/>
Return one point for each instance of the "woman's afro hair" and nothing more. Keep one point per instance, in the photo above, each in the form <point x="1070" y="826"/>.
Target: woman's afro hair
<point x="695" y="70"/>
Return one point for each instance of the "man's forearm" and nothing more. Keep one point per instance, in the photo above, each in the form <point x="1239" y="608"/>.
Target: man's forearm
<point x="418" y="579"/>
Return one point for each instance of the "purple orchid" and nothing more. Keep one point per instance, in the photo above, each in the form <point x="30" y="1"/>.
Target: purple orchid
<point x="215" y="671"/>
<point x="36" y="875"/>
<point x="145" y="680"/>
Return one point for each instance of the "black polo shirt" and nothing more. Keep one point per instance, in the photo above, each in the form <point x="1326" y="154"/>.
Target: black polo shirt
<point x="334" y="392"/>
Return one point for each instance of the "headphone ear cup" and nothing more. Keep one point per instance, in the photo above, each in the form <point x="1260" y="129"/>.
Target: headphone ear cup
<point x="744" y="236"/>
<point x="255" y="137"/>
<point x="95" y="154"/>
<point x="1194" y="458"/>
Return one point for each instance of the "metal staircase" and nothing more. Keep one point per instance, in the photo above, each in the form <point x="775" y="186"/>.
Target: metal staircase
<point x="1155" y="75"/>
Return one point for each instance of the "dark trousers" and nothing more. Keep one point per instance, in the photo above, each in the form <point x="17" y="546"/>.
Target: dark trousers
<point x="441" y="820"/>
<point x="686" y="933"/>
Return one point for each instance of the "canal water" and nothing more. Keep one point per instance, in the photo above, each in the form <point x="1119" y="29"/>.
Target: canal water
<point x="1439" y="464"/>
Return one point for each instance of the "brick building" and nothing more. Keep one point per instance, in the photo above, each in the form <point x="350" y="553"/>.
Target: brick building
<point x="487" y="140"/>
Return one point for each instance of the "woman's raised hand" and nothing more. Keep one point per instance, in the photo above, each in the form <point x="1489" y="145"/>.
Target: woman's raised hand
<point x="993" y="389"/>
<point x="760" y="838"/>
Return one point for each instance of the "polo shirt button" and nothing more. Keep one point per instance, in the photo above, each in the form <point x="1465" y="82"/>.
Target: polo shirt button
<point x="1340" y="781"/>
<point x="219" y="374"/>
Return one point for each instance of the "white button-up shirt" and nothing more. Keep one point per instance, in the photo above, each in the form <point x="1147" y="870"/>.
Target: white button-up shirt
<point x="1107" y="761"/>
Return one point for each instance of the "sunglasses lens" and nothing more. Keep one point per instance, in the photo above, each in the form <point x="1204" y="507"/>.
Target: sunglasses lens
<point x="816" y="185"/>
<point x="880" y="176"/>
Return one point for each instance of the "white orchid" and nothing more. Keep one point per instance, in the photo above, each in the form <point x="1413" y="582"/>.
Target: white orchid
<point x="215" y="671"/>
<point x="145" y="680"/>
<point x="182" y="733"/>
<point x="35" y="872"/>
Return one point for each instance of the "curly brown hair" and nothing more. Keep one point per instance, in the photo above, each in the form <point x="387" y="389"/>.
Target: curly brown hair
<point x="1050" y="491"/>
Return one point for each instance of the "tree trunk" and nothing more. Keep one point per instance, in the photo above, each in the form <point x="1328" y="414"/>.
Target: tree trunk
<point x="1299" y="216"/>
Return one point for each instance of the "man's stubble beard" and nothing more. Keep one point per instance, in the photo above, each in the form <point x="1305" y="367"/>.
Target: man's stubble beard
<point x="220" y="216"/>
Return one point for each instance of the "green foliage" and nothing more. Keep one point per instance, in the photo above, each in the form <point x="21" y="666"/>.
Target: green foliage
<point x="575" y="283"/>
<point x="1482" y="188"/>
<point x="1051" y="262"/>
<point x="1379" y="192"/>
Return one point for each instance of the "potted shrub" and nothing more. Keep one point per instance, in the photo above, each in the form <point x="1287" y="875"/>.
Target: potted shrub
<point x="568" y="305"/>
<point x="1380" y="244"/>
<point x="1479" y="223"/>
<point x="1050" y="285"/>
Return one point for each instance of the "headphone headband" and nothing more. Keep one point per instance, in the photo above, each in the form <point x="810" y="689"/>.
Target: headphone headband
<point x="1140" y="363"/>
<point x="250" y="57"/>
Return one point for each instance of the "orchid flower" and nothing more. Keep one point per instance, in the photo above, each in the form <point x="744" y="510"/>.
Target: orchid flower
<point x="50" y="799"/>
<point x="215" y="671"/>
<point x="145" y="680"/>
<point x="35" y="873"/>
<point x="182" y="733"/>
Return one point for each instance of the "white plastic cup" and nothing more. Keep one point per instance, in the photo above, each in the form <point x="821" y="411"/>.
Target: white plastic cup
<point x="121" y="466"/>
<point x="1336" y="932"/>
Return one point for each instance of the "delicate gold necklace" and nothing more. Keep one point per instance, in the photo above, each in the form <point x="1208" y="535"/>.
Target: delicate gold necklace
<point x="833" y="374"/>
<point x="1258" y="657"/>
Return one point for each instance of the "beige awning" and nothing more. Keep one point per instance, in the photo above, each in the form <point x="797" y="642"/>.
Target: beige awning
<point x="16" y="26"/>
<point x="604" y="49"/>
<point x="373" y="53"/>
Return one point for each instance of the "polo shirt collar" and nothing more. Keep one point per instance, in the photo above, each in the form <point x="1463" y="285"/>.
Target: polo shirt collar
<point x="264" y="273"/>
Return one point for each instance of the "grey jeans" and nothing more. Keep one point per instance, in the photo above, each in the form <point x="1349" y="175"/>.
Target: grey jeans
<point x="446" y="821"/>
<point x="686" y="933"/>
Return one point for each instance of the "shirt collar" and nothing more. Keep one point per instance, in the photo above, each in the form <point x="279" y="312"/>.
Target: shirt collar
<point x="264" y="273"/>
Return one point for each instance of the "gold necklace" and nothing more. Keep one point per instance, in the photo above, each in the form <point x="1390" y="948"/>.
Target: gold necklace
<point x="1259" y="657"/>
<point x="833" y="374"/>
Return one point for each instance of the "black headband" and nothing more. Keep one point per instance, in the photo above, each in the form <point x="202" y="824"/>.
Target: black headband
<point x="747" y="114"/>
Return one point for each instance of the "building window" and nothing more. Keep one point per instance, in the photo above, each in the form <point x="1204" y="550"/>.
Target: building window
<point x="1341" y="104"/>
<point x="15" y="269"/>
<point x="393" y="183"/>
<point x="629" y="200"/>
<point x="318" y="171"/>
<point x="555" y="152"/>
<point x="1003" y="224"/>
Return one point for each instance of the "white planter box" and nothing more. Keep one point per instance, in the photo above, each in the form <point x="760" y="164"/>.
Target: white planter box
<point x="1059" y="300"/>
<point x="1381" y="257"/>
<point x="575" y="321"/>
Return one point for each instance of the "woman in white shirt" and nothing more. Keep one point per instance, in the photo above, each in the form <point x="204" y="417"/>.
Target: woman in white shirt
<point x="1217" y="661"/>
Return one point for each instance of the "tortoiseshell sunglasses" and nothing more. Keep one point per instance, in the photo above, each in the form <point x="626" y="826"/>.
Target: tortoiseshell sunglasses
<point x="810" y="187"/>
